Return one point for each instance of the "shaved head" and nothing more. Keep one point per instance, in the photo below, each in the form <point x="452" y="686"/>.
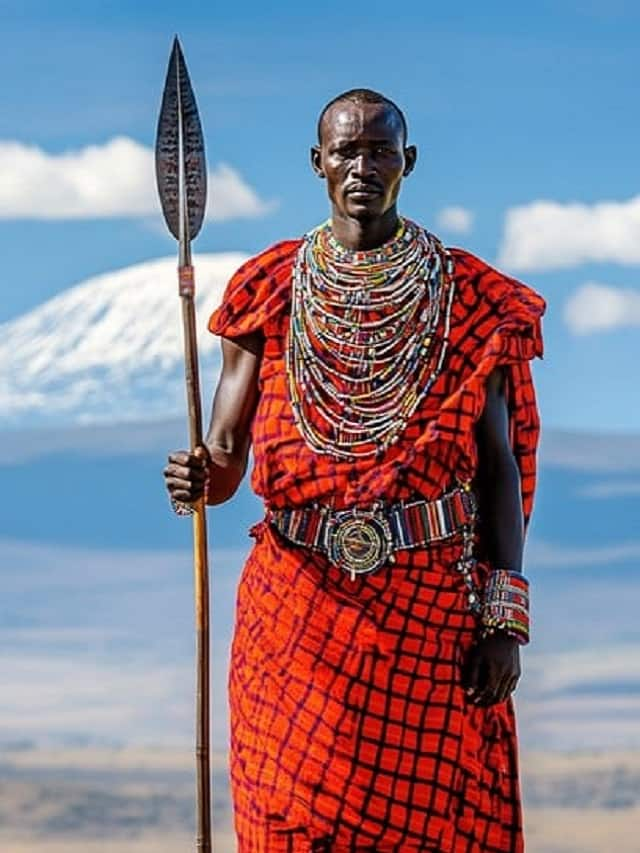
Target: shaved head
<point x="364" y="96"/>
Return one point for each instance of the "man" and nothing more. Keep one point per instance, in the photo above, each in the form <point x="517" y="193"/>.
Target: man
<point x="384" y="384"/>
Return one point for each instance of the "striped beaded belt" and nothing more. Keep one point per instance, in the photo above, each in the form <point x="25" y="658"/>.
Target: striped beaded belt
<point x="362" y="540"/>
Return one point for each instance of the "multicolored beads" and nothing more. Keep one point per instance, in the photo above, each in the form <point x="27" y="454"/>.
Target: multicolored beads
<point x="465" y="565"/>
<point x="467" y="562"/>
<point x="367" y="338"/>
<point x="181" y="508"/>
<point x="506" y="605"/>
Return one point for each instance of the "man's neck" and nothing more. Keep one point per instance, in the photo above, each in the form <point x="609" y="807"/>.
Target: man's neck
<point x="361" y="236"/>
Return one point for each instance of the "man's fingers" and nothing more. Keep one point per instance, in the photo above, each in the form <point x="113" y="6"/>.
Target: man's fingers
<point x="186" y="497"/>
<point x="513" y="683"/>
<point x="473" y="680"/>
<point x="502" y="691"/>
<point x="198" y="459"/>
<point x="180" y="457"/>
<point x="186" y="473"/>
<point x="485" y="696"/>
<point x="184" y="490"/>
<point x="183" y="497"/>
<point x="202" y="455"/>
<point x="182" y="472"/>
<point x="498" y="688"/>
<point x="488" y="695"/>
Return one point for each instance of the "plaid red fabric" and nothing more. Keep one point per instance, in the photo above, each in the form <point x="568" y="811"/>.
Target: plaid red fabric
<point x="350" y="729"/>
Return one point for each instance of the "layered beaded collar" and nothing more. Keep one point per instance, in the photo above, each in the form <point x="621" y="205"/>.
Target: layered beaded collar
<point x="367" y="338"/>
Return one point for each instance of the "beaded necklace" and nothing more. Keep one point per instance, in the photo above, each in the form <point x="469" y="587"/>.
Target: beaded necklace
<point x="367" y="337"/>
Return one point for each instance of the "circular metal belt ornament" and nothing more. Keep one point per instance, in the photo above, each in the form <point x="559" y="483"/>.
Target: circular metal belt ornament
<point x="359" y="542"/>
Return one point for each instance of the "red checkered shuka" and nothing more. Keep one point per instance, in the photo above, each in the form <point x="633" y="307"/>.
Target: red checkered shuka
<point x="350" y="728"/>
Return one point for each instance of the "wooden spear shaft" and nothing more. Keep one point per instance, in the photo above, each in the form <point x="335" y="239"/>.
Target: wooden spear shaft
<point x="200" y="570"/>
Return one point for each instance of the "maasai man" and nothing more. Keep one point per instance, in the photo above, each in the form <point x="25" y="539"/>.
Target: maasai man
<point x="383" y="382"/>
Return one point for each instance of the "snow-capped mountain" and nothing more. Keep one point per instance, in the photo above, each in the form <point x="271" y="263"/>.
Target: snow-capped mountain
<point x="110" y="348"/>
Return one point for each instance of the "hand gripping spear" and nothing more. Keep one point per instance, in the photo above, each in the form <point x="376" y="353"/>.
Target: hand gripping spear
<point x="181" y="175"/>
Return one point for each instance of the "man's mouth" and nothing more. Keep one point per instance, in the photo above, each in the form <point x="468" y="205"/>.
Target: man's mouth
<point x="364" y="190"/>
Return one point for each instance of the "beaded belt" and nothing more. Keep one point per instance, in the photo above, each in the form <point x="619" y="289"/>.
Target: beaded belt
<point x="362" y="540"/>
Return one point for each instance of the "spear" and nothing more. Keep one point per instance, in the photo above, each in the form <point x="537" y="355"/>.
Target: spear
<point x="181" y="175"/>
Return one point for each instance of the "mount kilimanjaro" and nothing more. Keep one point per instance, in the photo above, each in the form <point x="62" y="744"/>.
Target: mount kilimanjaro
<point x="109" y="349"/>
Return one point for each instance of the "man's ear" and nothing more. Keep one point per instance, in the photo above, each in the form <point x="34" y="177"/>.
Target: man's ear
<point x="410" y="157"/>
<point x="316" y="161"/>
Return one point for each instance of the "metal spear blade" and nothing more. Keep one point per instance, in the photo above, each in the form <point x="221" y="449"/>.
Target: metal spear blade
<point x="181" y="171"/>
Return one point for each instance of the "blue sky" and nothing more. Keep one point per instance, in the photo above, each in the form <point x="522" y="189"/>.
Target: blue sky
<point x="508" y="107"/>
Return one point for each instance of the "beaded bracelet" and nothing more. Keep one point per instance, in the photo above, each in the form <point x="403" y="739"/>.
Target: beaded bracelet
<point x="181" y="508"/>
<point x="506" y="605"/>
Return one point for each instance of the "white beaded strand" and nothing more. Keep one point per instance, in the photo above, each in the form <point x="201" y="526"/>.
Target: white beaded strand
<point x="361" y="377"/>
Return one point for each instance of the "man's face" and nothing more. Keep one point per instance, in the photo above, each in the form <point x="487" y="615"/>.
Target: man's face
<point x="363" y="157"/>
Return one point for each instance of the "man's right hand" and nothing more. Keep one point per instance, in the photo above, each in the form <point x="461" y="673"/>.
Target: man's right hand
<point x="229" y="433"/>
<point x="186" y="474"/>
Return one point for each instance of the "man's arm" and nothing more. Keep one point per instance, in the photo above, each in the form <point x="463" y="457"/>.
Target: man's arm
<point x="493" y="667"/>
<point x="499" y="480"/>
<point x="223" y="458"/>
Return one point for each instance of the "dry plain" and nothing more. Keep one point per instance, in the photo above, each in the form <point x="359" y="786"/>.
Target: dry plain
<point x="141" y="801"/>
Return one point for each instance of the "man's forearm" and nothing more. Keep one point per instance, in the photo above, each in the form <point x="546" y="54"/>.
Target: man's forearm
<point x="229" y="435"/>
<point x="224" y="475"/>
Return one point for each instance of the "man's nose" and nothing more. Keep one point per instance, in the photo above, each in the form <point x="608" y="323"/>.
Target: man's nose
<point x="363" y="164"/>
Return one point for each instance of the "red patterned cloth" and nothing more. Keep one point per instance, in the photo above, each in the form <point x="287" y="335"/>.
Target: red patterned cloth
<point x="350" y="728"/>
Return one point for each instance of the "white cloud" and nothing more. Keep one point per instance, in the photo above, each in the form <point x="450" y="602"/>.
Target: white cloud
<point x="231" y="198"/>
<point x="101" y="181"/>
<point x="598" y="307"/>
<point x="456" y="219"/>
<point x="547" y="235"/>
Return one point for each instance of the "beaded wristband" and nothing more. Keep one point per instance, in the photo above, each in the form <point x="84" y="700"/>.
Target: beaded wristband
<point x="181" y="507"/>
<point x="506" y="605"/>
